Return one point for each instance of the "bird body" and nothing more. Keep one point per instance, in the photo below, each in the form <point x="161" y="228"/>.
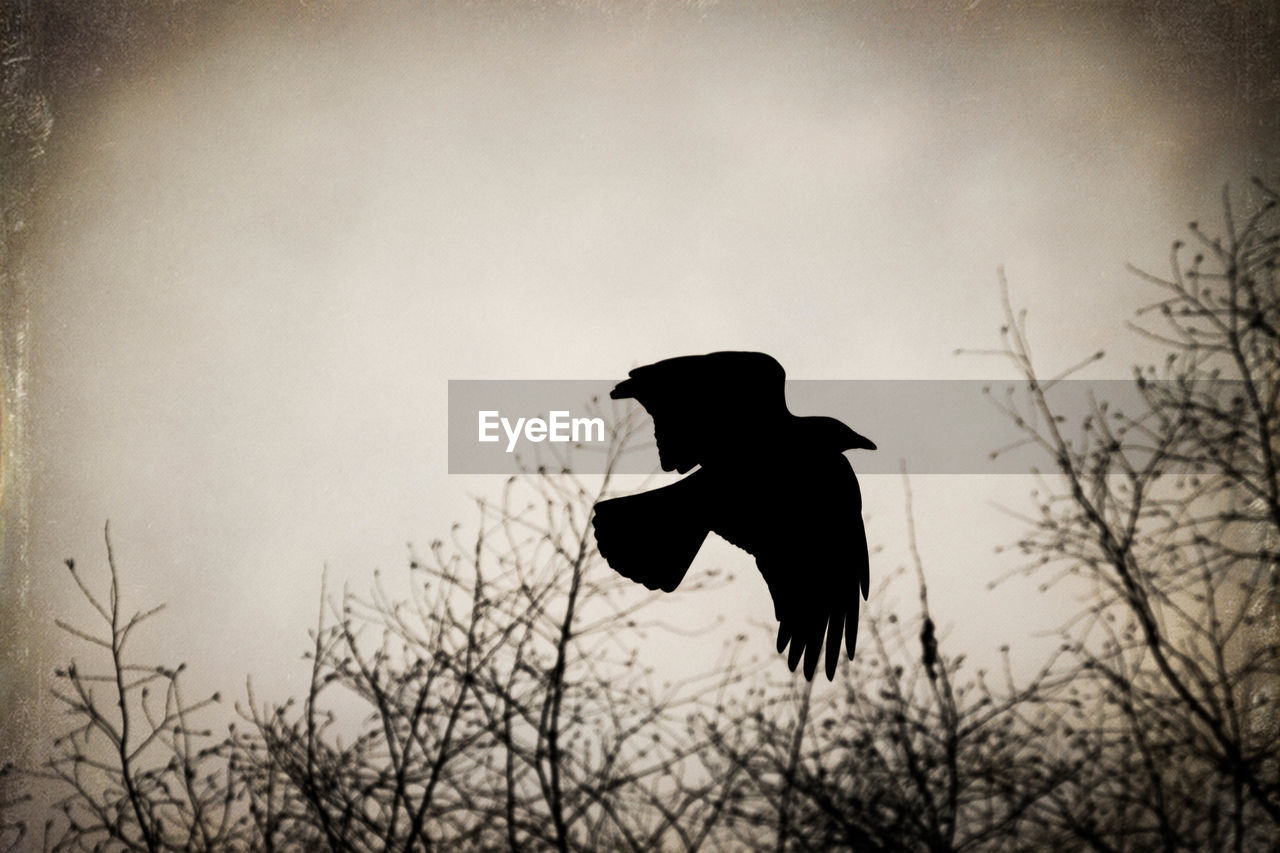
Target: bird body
<point x="774" y="484"/>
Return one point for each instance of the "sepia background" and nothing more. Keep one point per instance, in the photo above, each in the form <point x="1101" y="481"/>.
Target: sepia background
<point x="250" y="246"/>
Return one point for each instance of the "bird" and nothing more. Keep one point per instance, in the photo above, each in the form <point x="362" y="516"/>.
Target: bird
<point x="772" y="483"/>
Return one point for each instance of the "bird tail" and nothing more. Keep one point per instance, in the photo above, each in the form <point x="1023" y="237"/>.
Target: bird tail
<point x="652" y="537"/>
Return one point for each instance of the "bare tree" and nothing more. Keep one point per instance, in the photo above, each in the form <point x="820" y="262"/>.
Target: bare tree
<point x="1170" y="514"/>
<point x="501" y="703"/>
<point x="912" y="752"/>
<point x="134" y="770"/>
<point x="505" y="706"/>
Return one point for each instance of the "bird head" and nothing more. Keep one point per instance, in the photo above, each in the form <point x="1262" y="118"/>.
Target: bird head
<point x="829" y="432"/>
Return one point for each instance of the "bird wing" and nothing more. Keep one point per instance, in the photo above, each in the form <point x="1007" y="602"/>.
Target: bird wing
<point x="805" y="530"/>
<point x="706" y="406"/>
<point x="652" y="537"/>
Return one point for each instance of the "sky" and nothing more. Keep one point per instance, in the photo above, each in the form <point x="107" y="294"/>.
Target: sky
<point x="263" y="253"/>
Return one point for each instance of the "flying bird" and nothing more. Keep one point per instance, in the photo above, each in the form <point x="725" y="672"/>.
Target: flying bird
<point x="774" y="484"/>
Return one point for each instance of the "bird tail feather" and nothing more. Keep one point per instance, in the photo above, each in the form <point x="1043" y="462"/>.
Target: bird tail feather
<point x="652" y="537"/>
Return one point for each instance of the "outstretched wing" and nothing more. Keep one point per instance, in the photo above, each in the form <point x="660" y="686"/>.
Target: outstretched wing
<point x="652" y="537"/>
<point x="707" y="406"/>
<point x="805" y="531"/>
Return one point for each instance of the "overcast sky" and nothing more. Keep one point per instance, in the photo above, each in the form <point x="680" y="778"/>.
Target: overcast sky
<point x="265" y="252"/>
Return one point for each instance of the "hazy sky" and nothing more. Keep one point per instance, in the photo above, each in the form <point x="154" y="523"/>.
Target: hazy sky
<point x="265" y="252"/>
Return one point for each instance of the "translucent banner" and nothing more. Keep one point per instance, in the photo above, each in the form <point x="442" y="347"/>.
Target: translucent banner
<point x="933" y="426"/>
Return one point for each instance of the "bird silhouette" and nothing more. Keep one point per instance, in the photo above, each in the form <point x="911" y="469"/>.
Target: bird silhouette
<point x="774" y="484"/>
